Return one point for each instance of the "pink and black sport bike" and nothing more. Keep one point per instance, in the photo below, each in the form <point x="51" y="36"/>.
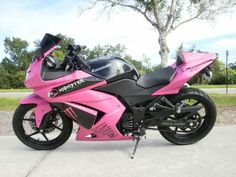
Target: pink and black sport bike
<point x="109" y="100"/>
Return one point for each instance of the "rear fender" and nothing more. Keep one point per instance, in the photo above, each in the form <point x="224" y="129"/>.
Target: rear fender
<point x="42" y="107"/>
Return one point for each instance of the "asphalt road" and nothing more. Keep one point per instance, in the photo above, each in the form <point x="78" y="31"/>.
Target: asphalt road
<point x="23" y="94"/>
<point x="213" y="156"/>
<point x="220" y="90"/>
<point x="14" y="94"/>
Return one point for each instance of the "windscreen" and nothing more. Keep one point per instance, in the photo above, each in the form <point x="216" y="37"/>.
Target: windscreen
<point x="48" y="42"/>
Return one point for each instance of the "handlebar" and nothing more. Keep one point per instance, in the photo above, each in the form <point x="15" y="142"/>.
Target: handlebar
<point x="73" y="59"/>
<point x="75" y="48"/>
<point x="80" y="60"/>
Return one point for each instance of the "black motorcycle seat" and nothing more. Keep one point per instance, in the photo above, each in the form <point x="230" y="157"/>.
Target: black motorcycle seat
<point x="161" y="77"/>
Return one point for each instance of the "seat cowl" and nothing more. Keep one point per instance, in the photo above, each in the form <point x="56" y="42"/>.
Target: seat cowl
<point x="161" y="77"/>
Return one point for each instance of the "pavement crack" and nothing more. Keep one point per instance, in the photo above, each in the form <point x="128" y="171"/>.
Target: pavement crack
<point x="36" y="165"/>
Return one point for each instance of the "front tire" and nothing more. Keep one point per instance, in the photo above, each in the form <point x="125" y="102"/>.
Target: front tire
<point x="56" y="133"/>
<point x="204" y="126"/>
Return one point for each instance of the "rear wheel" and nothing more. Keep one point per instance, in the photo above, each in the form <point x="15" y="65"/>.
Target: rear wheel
<point x="56" y="132"/>
<point x="204" y="119"/>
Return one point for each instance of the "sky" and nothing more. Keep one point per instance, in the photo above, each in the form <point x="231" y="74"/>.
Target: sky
<point x="31" y="19"/>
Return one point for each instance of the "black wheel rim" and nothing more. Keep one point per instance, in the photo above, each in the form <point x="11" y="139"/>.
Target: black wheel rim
<point x="200" y="118"/>
<point x="49" y="135"/>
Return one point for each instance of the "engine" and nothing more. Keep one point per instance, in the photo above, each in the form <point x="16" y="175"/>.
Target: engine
<point x="126" y="123"/>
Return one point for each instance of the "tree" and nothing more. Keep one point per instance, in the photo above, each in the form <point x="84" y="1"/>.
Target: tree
<point x="16" y="48"/>
<point x="13" y="67"/>
<point x="65" y="41"/>
<point x="218" y="70"/>
<point x="98" y="51"/>
<point x="167" y="15"/>
<point x="232" y="66"/>
<point x="62" y="51"/>
<point x="142" y="66"/>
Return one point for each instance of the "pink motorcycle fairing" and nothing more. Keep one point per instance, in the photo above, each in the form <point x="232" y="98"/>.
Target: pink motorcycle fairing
<point x="193" y="64"/>
<point x="105" y="128"/>
<point x="83" y="104"/>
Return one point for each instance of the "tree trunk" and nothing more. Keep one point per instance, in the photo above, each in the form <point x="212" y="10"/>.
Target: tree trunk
<point x="164" y="51"/>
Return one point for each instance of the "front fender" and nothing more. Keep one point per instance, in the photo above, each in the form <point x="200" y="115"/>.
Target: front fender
<point x="42" y="107"/>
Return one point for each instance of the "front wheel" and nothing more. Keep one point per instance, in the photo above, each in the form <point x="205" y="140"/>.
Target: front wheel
<point x="56" y="132"/>
<point x="204" y="119"/>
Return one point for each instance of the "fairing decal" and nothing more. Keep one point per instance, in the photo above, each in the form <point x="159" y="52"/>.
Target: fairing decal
<point x="73" y="86"/>
<point x="82" y="115"/>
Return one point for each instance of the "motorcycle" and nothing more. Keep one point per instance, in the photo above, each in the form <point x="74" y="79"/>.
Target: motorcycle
<point x="110" y="100"/>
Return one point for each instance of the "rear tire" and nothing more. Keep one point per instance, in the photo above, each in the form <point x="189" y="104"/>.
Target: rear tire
<point x="19" y="119"/>
<point x="205" y="126"/>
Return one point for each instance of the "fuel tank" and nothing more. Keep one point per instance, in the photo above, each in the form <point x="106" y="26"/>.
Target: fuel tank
<point x="109" y="67"/>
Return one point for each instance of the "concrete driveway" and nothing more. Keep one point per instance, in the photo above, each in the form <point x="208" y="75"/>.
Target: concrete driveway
<point x="213" y="156"/>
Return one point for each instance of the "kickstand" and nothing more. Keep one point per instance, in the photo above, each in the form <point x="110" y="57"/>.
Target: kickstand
<point x="135" y="148"/>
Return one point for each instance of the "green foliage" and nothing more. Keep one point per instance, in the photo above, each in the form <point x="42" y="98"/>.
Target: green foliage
<point x="218" y="70"/>
<point x="13" y="67"/>
<point x="194" y="1"/>
<point x="147" y="4"/>
<point x="4" y="78"/>
<point x="106" y="50"/>
<point x="232" y="66"/>
<point x="62" y="50"/>
<point x="137" y="64"/>
<point x="59" y="54"/>
<point x="65" y="42"/>
<point x="16" y="49"/>
<point x="231" y="76"/>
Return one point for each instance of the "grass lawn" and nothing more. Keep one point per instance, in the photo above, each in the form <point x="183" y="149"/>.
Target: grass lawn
<point x="7" y="104"/>
<point x="16" y="90"/>
<point x="213" y="86"/>
<point x="224" y="100"/>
